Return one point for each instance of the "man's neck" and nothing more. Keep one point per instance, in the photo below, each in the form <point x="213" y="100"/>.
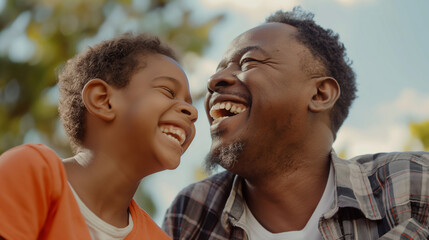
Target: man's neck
<point x="285" y="202"/>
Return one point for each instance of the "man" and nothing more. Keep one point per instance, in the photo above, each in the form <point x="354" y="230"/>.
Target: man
<point x="275" y="104"/>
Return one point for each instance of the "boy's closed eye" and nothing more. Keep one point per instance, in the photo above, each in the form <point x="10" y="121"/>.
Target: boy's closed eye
<point x="168" y="92"/>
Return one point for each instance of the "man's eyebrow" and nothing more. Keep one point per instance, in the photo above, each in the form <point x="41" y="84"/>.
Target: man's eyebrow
<point x="238" y="54"/>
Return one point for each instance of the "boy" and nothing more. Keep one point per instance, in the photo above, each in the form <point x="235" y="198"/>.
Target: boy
<point x="127" y="101"/>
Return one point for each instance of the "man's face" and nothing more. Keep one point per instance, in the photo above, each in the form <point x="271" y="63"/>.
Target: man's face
<point x="257" y="103"/>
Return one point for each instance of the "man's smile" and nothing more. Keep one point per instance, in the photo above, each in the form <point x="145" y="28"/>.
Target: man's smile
<point x="223" y="106"/>
<point x="225" y="109"/>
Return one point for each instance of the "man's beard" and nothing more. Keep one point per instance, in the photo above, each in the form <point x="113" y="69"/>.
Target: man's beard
<point x="225" y="156"/>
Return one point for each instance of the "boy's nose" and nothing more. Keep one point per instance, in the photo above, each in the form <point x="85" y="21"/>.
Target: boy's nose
<point x="190" y="111"/>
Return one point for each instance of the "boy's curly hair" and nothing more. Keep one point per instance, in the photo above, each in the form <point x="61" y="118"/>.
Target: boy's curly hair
<point x="114" y="61"/>
<point x="328" y="50"/>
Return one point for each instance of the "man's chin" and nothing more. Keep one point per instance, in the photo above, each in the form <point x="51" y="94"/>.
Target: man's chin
<point x="224" y="155"/>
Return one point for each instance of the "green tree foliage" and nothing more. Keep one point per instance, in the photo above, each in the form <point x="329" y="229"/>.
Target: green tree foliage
<point x="420" y="132"/>
<point x="53" y="31"/>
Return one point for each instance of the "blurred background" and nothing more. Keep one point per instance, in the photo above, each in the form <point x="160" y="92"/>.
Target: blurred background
<point x="386" y="39"/>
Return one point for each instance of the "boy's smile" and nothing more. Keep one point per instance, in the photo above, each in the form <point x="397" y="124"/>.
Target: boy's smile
<point x="176" y="134"/>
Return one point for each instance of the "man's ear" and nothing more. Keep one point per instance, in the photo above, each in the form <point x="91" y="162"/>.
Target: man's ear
<point x="326" y="94"/>
<point x="96" y="96"/>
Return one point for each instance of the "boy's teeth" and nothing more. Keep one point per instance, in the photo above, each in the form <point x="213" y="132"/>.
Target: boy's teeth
<point x="174" y="133"/>
<point x="173" y="138"/>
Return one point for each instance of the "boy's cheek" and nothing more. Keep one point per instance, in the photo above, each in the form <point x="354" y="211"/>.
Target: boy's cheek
<point x="191" y="138"/>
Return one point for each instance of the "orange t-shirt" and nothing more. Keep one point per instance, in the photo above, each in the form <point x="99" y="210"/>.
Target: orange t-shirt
<point x="37" y="203"/>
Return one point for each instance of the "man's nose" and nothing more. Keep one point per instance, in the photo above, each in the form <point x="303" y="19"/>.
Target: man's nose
<point x="221" y="79"/>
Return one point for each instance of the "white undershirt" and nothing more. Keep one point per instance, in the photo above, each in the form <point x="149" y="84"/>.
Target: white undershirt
<point x="99" y="229"/>
<point x="255" y="230"/>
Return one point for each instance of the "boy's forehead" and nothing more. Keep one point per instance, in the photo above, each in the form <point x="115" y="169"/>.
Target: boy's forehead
<point x="156" y="63"/>
<point x="156" y="58"/>
<point x="159" y="68"/>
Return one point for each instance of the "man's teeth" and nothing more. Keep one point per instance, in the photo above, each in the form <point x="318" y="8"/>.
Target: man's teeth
<point x="174" y="133"/>
<point x="219" y="119"/>
<point x="217" y="111"/>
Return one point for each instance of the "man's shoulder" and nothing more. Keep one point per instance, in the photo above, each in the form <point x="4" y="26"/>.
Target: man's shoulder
<point x="364" y="182"/>
<point x="196" y="212"/>
<point x="218" y="184"/>
<point x="395" y="161"/>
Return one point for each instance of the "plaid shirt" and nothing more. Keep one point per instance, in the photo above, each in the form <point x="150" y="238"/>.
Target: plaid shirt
<point x="380" y="196"/>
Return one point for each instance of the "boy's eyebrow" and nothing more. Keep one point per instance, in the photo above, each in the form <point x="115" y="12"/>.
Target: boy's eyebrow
<point x="176" y="83"/>
<point x="238" y="54"/>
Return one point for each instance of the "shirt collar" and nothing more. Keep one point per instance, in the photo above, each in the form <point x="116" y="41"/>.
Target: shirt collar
<point x="234" y="206"/>
<point x="352" y="189"/>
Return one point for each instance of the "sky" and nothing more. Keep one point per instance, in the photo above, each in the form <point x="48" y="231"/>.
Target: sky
<point x="385" y="39"/>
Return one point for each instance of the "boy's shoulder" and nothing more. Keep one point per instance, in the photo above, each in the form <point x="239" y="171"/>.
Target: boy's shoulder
<point x="31" y="156"/>
<point x="144" y="226"/>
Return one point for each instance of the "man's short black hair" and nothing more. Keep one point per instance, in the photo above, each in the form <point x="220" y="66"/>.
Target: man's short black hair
<point x="325" y="46"/>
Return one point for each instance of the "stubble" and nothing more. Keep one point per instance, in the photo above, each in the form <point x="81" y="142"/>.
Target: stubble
<point x="225" y="156"/>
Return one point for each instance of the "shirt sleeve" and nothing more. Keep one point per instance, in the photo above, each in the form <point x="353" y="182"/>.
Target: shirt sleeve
<point x="409" y="229"/>
<point x="26" y="184"/>
<point x="171" y="221"/>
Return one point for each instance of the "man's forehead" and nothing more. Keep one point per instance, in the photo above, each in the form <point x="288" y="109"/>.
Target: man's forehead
<point x="261" y="38"/>
<point x="265" y="33"/>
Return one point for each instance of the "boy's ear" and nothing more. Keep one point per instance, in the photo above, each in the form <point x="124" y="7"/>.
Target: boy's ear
<point x="326" y="94"/>
<point x="96" y="96"/>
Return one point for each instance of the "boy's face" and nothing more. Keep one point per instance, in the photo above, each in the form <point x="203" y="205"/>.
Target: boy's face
<point x="155" y="115"/>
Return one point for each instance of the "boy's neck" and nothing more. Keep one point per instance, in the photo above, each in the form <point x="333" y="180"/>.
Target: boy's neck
<point x="110" y="199"/>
